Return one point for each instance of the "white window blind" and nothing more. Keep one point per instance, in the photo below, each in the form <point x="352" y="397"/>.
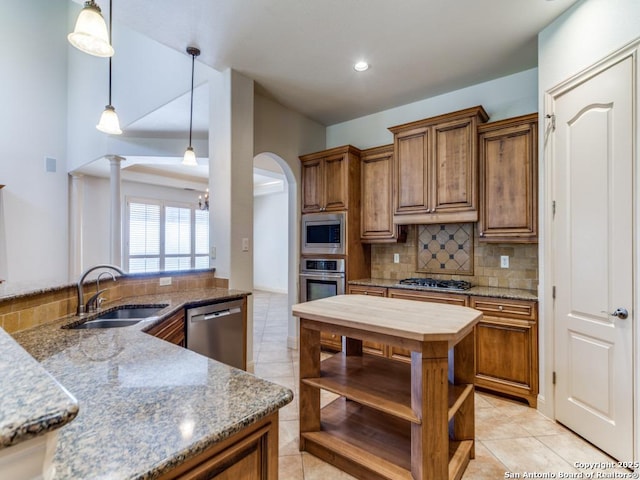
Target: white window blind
<point x="165" y="237"/>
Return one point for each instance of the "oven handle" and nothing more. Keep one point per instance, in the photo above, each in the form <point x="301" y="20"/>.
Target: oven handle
<point x="323" y="275"/>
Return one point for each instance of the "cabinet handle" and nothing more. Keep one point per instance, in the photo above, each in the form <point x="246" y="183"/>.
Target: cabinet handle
<point x="428" y="210"/>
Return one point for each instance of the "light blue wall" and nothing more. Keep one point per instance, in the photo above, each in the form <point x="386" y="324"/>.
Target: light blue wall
<point x="502" y="98"/>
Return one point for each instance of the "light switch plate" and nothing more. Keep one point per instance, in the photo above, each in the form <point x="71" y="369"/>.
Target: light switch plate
<point x="245" y="244"/>
<point x="396" y="258"/>
<point x="504" y="261"/>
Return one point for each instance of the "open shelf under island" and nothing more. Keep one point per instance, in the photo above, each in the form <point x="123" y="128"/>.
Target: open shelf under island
<point x="394" y="420"/>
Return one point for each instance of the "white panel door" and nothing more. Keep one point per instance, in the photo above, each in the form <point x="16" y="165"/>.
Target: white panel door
<point x="593" y="258"/>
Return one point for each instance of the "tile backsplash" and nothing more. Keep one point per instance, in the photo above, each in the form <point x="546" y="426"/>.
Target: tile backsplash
<point x="522" y="272"/>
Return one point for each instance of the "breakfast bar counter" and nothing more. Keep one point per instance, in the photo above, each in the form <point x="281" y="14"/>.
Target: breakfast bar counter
<point x="393" y="420"/>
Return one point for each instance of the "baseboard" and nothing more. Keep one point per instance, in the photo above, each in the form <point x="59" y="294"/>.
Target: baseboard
<point x="292" y="343"/>
<point x="270" y="289"/>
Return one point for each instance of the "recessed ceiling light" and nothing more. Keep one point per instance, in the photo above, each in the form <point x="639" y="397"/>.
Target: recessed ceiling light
<point x="361" y="66"/>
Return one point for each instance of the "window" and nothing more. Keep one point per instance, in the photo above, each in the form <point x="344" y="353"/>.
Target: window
<point x="164" y="236"/>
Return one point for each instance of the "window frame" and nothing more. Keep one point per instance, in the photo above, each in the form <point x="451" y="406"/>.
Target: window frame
<point x="163" y="204"/>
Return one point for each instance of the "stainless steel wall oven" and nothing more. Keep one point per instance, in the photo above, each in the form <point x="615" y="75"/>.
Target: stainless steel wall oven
<point x="321" y="277"/>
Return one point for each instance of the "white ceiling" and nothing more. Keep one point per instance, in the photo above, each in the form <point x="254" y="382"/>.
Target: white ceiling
<point x="301" y="52"/>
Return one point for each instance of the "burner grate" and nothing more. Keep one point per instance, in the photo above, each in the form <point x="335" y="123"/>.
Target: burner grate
<point x="439" y="284"/>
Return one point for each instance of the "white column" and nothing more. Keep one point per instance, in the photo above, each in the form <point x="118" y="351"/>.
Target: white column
<point x="116" y="210"/>
<point x="75" y="225"/>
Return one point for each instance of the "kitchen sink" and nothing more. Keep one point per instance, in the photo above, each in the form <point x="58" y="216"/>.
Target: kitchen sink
<point x="120" y="317"/>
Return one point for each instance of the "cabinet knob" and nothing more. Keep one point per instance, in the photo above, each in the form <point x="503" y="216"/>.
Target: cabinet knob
<point x="428" y="210"/>
<point x="500" y="307"/>
<point x="366" y="293"/>
<point x="482" y="234"/>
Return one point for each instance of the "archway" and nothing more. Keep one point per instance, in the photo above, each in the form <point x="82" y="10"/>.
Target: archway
<point x="264" y="163"/>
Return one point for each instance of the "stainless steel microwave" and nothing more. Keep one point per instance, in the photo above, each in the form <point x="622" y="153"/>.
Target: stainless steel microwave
<point x="323" y="233"/>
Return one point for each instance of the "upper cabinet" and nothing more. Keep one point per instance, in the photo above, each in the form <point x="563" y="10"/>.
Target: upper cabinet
<point x="376" y="212"/>
<point x="509" y="180"/>
<point x="436" y="168"/>
<point x="330" y="179"/>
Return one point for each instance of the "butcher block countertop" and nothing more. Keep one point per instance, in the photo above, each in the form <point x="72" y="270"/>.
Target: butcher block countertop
<point x="408" y="319"/>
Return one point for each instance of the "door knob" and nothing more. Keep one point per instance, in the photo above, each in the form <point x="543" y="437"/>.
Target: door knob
<point x="621" y="313"/>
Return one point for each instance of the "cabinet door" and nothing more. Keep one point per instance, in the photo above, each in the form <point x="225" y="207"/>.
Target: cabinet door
<point x="411" y="171"/>
<point x="330" y="341"/>
<point x="312" y="186"/>
<point x="403" y="354"/>
<point x="377" y="194"/>
<point x="172" y="329"/>
<point x="508" y="181"/>
<point x="372" y="348"/>
<point x="504" y="353"/>
<point x="335" y="182"/>
<point x="455" y="167"/>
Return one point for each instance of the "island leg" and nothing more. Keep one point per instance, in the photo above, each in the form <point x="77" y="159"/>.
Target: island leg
<point x="429" y="394"/>
<point x="309" y="397"/>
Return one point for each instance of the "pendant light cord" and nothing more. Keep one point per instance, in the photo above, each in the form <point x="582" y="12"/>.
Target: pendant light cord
<point x="110" y="40"/>
<point x="193" y="63"/>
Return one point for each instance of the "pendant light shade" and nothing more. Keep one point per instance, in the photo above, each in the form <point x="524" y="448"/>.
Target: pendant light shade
<point x="190" y="156"/>
<point x="90" y="33"/>
<point x="109" y="122"/>
<point x="189" y="159"/>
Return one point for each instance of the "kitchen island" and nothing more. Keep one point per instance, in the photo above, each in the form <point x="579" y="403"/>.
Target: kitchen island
<point x="393" y="420"/>
<point x="149" y="409"/>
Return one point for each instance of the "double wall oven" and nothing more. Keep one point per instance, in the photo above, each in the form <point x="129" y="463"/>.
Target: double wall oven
<point x="321" y="277"/>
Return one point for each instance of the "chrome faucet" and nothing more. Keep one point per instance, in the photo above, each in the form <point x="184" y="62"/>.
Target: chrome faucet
<point x="82" y="308"/>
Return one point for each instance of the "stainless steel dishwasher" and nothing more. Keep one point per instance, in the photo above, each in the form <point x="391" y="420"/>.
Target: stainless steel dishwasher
<point x="217" y="331"/>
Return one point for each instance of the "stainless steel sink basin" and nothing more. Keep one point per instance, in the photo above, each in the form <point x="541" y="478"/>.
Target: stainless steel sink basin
<point x="120" y="317"/>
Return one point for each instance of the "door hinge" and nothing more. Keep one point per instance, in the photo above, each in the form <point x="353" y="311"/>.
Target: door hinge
<point x="553" y="208"/>
<point x="553" y="378"/>
<point x="553" y="292"/>
<point x="553" y="120"/>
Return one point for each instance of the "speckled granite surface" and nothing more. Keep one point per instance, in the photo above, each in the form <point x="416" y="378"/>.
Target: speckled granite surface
<point x="511" y="293"/>
<point x="32" y="402"/>
<point x="145" y="405"/>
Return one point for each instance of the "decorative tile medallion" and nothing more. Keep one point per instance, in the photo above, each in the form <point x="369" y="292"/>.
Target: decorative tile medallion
<point x="445" y="248"/>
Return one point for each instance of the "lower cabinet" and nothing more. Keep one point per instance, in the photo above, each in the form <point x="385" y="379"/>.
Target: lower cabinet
<point x="172" y="329"/>
<point x="507" y="347"/>
<point x="403" y="354"/>
<point x="506" y="339"/>
<point x="251" y="454"/>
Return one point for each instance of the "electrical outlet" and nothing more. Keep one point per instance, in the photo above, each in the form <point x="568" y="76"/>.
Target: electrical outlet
<point x="212" y="253"/>
<point x="504" y="261"/>
<point x="396" y="258"/>
<point x="164" y="281"/>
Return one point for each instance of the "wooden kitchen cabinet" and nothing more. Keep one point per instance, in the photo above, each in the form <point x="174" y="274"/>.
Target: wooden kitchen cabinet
<point x="507" y="347"/>
<point x="508" y="160"/>
<point x="368" y="346"/>
<point x="172" y="329"/>
<point x="376" y="225"/>
<point x="251" y="454"/>
<point x="403" y="354"/>
<point x="436" y="168"/>
<point x="331" y="180"/>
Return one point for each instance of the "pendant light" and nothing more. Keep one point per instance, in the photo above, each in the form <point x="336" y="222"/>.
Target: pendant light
<point x="109" y="122"/>
<point x="90" y="33"/>
<point x="190" y="156"/>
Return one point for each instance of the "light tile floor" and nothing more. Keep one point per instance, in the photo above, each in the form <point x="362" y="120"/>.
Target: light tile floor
<point x="510" y="436"/>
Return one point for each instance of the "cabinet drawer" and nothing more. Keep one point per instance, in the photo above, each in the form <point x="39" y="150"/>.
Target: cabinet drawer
<point x="422" y="296"/>
<point x="364" y="290"/>
<point x="501" y="307"/>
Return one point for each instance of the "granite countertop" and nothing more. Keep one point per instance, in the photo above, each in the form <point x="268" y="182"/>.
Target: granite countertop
<point x="41" y="406"/>
<point x="146" y="405"/>
<point x="510" y="293"/>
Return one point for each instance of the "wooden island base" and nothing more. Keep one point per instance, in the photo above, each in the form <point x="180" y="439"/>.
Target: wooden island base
<point x="393" y="420"/>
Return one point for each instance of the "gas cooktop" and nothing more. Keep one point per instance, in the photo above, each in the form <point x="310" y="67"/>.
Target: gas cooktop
<point x="439" y="284"/>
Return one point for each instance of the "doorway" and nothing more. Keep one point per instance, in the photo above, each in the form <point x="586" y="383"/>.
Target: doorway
<point x="592" y="125"/>
<point x="276" y="254"/>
